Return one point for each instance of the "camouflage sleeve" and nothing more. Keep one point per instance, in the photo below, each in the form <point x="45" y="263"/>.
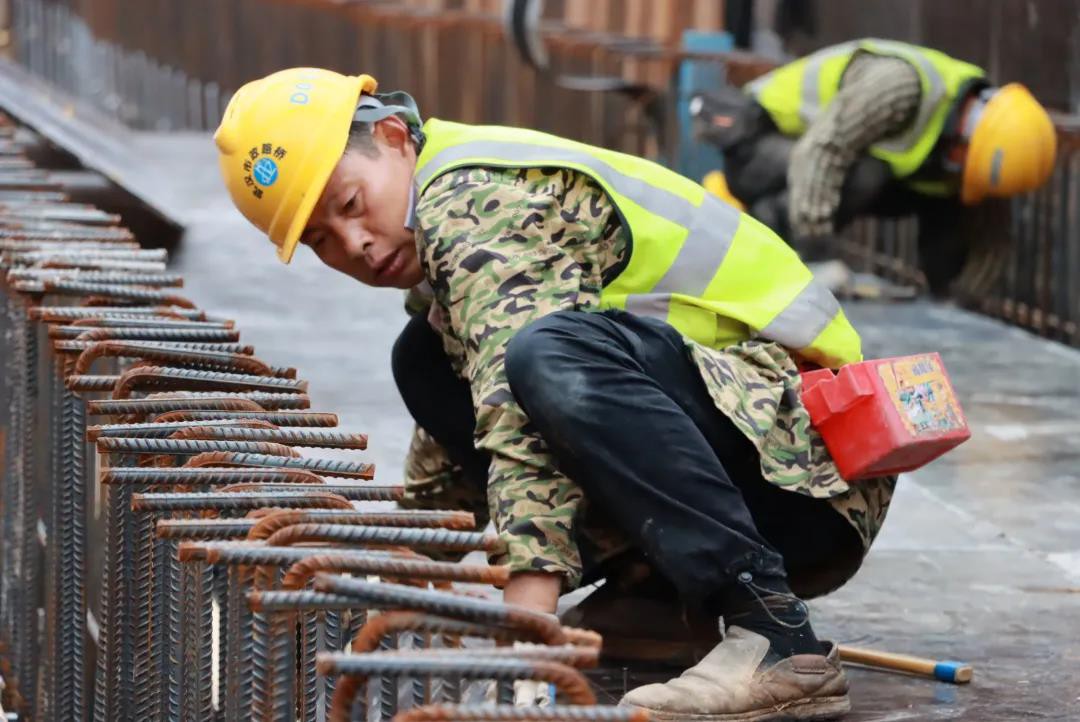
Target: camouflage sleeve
<point x="488" y="251"/>
<point x="433" y="481"/>
<point x="878" y="98"/>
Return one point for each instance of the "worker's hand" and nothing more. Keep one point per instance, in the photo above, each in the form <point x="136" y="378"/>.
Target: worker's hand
<point x="812" y="201"/>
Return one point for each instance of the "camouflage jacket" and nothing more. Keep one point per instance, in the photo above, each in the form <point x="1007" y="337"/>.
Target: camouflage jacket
<point x="501" y="248"/>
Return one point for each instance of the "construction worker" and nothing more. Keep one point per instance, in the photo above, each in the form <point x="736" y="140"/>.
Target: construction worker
<point x="882" y="128"/>
<point x="603" y="346"/>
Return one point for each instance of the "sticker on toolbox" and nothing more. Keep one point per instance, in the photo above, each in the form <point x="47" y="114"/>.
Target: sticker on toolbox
<point x="922" y="395"/>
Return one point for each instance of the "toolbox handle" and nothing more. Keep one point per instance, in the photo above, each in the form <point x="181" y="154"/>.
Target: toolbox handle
<point x="825" y="395"/>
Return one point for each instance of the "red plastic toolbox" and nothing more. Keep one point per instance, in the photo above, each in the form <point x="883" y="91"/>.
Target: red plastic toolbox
<point x="885" y="416"/>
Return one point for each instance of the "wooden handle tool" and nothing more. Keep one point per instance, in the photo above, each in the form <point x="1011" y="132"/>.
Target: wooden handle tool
<point x="944" y="671"/>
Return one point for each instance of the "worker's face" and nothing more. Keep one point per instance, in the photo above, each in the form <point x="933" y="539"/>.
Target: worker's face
<point x="358" y="225"/>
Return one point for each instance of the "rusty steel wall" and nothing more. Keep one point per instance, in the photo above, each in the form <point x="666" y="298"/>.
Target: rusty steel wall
<point x="1036" y="42"/>
<point x="166" y="65"/>
<point x="1038" y="282"/>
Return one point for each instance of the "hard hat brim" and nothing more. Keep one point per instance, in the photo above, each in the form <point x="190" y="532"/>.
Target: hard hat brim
<point x="337" y="128"/>
<point x="1001" y="112"/>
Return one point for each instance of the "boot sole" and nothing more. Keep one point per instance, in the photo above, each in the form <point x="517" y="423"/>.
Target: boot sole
<point x="809" y="708"/>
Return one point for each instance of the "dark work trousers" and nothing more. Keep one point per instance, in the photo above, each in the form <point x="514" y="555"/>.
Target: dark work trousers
<point x="756" y="159"/>
<point x="626" y="415"/>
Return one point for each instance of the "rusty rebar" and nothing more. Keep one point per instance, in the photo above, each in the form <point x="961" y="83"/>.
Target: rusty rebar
<point x="151" y="581"/>
<point x="317" y="438"/>
<point x="68" y="256"/>
<point x="164" y="377"/>
<point x="274" y="661"/>
<point x="68" y="538"/>
<point x="89" y="263"/>
<point x="27" y="549"/>
<point x="147" y="406"/>
<point x="145" y="333"/>
<point x="277" y="418"/>
<point x="176" y="356"/>
<point x="126" y="293"/>
<point x="300" y="573"/>
<point x="184" y="447"/>
<point x="294" y="601"/>
<point x="76" y="235"/>
<point x="17" y="250"/>
<point x="181" y="501"/>
<point x="174" y="280"/>
<point x="461" y="520"/>
<point x="63" y="314"/>
<point x="256" y="554"/>
<point x="206" y="476"/>
<point x="395" y="596"/>
<point x="92" y="263"/>
<point x="322" y="467"/>
<point x="352" y="492"/>
<point x="204" y="528"/>
<point x="163" y="320"/>
<point x="572" y="683"/>
<point x="90" y="382"/>
<point x="307" y="683"/>
<point x="577" y="657"/>
<point x="267" y="400"/>
<point x="197" y="690"/>
<point x="443" y="539"/>
<point x="239" y="679"/>
<point x="379" y="626"/>
<point x="163" y="430"/>
<point x="72" y="347"/>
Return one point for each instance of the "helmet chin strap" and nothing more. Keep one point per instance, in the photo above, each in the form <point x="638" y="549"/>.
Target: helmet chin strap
<point x="975" y="110"/>
<point x="373" y="108"/>
<point x="972" y="113"/>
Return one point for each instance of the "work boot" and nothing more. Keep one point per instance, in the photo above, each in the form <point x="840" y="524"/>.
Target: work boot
<point x="741" y="680"/>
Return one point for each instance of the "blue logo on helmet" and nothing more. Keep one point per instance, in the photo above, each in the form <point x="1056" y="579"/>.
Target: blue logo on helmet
<point x="265" y="172"/>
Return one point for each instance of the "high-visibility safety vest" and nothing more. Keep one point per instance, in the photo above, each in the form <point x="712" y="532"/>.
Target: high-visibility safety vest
<point x="795" y="94"/>
<point x="715" y="274"/>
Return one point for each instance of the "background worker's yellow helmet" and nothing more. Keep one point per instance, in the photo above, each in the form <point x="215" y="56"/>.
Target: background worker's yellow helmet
<point x="280" y="140"/>
<point x="716" y="183"/>
<point x="1011" y="149"/>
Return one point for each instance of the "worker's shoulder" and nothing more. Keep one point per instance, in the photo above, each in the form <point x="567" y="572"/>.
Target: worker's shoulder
<point x="477" y="179"/>
<point x="493" y="191"/>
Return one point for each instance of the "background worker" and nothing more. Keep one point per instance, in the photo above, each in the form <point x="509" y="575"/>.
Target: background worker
<point x="603" y="338"/>
<point x="883" y="128"/>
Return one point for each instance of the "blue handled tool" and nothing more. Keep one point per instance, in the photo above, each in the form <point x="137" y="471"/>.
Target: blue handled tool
<point x="944" y="670"/>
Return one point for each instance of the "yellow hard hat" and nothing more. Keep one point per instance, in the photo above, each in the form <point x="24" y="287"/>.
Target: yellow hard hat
<point x="1012" y="147"/>
<point x="716" y="183"/>
<point x="280" y="140"/>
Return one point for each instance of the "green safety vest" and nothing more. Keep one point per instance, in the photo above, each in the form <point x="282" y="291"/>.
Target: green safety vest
<point x="796" y="93"/>
<point x="715" y="274"/>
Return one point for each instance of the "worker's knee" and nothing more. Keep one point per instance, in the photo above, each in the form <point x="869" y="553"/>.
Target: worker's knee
<point x="536" y="348"/>
<point x="544" y="358"/>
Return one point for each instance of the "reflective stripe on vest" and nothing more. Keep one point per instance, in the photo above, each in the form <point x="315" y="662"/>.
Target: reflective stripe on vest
<point x="680" y="291"/>
<point x="811" y="101"/>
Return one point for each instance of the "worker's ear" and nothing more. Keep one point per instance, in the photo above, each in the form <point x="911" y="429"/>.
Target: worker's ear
<point x="393" y="132"/>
